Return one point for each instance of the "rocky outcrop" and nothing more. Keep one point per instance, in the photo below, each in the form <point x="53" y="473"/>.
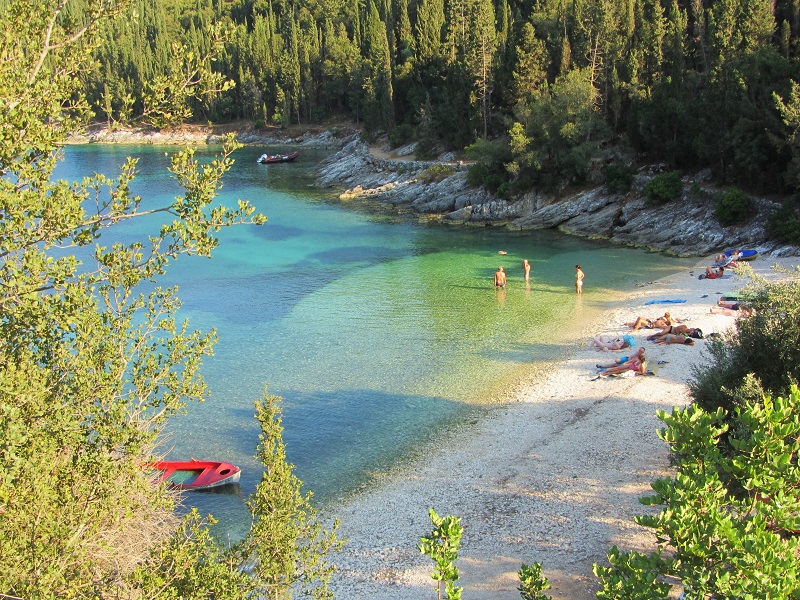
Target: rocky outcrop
<point x="210" y="134"/>
<point x="438" y="192"/>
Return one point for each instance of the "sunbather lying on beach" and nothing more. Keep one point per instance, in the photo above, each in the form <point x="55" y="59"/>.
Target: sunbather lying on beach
<point x="623" y="359"/>
<point x="737" y="312"/>
<point x="637" y="364"/>
<point x="694" y="332"/>
<point x="657" y="323"/>
<point x="713" y="273"/>
<point x="671" y="338"/>
<point x="603" y="342"/>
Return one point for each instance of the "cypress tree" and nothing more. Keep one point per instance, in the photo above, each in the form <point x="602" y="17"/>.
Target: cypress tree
<point x="428" y="30"/>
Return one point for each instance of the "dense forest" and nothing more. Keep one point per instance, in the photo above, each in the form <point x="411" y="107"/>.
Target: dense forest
<point x="537" y="87"/>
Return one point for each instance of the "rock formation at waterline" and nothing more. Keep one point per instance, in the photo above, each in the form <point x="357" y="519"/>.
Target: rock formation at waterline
<point x="685" y="228"/>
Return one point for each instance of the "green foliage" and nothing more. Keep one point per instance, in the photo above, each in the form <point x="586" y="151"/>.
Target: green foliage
<point x="401" y="135"/>
<point x="489" y="170"/>
<point x="732" y="207"/>
<point x="437" y="173"/>
<point x="557" y="133"/>
<point x="631" y="575"/>
<point x="731" y="514"/>
<point x="727" y="525"/>
<point x="663" y="188"/>
<point x="532" y="582"/>
<point x="166" y="98"/>
<point x="442" y="546"/>
<point x="784" y="224"/>
<point x="619" y="178"/>
<point x="760" y="356"/>
<point x="191" y="564"/>
<point x="286" y="544"/>
<point x="93" y="359"/>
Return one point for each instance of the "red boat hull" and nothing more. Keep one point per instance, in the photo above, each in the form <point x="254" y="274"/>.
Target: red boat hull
<point x="196" y="474"/>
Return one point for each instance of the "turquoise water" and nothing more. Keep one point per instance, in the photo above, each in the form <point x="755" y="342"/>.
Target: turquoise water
<point x="377" y="332"/>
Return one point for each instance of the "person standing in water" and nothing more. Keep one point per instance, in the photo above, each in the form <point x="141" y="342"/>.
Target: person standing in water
<point x="579" y="275"/>
<point x="526" y="268"/>
<point x="500" y="278"/>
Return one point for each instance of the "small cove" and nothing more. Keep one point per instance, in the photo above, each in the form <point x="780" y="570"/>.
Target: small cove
<point x="377" y="332"/>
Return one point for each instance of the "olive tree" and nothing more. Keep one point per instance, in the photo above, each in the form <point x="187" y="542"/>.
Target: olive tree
<point x="92" y="361"/>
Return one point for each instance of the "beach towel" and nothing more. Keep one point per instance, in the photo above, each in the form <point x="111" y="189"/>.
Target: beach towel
<point x="664" y="301"/>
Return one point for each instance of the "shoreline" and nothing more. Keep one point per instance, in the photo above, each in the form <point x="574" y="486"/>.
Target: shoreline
<point x="533" y="481"/>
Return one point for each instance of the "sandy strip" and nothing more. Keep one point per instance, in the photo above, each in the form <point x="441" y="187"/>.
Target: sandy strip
<point x="554" y="477"/>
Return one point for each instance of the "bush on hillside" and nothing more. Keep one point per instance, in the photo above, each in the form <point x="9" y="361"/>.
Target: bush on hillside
<point x="662" y="188"/>
<point x="784" y="224"/>
<point x="619" y="178"/>
<point x="401" y="135"/>
<point x="490" y="169"/>
<point x="732" y="207"/>
<point x="437" y="173"/>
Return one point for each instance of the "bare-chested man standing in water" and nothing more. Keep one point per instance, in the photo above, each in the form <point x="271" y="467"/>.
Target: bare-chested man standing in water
<point x="526" y="268"/>
<point x="579" y="275"/>
<point x="500" y="278"/>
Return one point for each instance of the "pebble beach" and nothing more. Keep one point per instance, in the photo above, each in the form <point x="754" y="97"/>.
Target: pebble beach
<point x="554" y="476"/>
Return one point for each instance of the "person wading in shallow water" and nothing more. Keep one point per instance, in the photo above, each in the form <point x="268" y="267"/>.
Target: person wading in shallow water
<point x="500" y="278"/>
<point x="526" y="269"/>
<point x="579" y="275"/>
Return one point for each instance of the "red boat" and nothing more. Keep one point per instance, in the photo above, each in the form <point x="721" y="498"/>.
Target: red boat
<point x="278" y="158"/>
<point x="197" y="474"/>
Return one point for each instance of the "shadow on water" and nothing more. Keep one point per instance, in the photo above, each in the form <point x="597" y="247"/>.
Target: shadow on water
<point x="339" y="440"/>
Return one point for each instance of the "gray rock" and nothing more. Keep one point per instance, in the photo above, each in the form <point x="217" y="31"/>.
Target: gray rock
<point x="685" y="228"/>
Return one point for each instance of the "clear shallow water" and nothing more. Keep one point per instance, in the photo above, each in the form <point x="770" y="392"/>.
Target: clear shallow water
<point x="376" y="332"/>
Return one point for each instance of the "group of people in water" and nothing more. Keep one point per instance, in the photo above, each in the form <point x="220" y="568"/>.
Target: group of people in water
<point x="500" y="277"/>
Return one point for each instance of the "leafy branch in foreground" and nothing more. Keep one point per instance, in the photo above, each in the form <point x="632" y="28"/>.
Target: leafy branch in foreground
<point x="286" y="548"/>
<point x="532" y="583"/>
<point x="286" y="545"/>
<point x="92" y="366"/>
<point x="729" y="523"/>
<point x="442" y="547"/>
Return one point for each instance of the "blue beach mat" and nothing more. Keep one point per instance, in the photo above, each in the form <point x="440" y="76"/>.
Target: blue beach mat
<point x="664" y="302"/>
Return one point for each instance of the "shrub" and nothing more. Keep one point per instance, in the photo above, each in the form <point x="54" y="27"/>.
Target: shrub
<point x="732" y="207"/>
<point x="761" y="356"/>
<point x="784" y="224"/>
<point x="401" y="135"/>
<point x="490" y="169"/>
<point x="726" y="528"/>
<point x="436" y="173"/>
<point x="663" y="188"/>
<point x="619" y="178"/>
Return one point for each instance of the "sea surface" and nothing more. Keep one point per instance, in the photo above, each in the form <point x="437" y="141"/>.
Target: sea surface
<point x="377" y="332"/>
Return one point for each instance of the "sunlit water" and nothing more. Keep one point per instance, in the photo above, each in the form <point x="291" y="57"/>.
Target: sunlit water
<point x="377" y="332"/>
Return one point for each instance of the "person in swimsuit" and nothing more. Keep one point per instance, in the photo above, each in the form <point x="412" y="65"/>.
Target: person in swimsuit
<point x="694" y="332"/>
<point x="579" y="275"/>
<point x="676" y="339"/>
<point x="500" y="278"/>
<point x="713" y="272"/>
<point x="658" y="323"/>
<point x="526" y="269"/>
<point x="602" y="342"/>
<point x="623" y="359"/>
<point x="739" y="311"/>
<point x="637" y="364"/>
